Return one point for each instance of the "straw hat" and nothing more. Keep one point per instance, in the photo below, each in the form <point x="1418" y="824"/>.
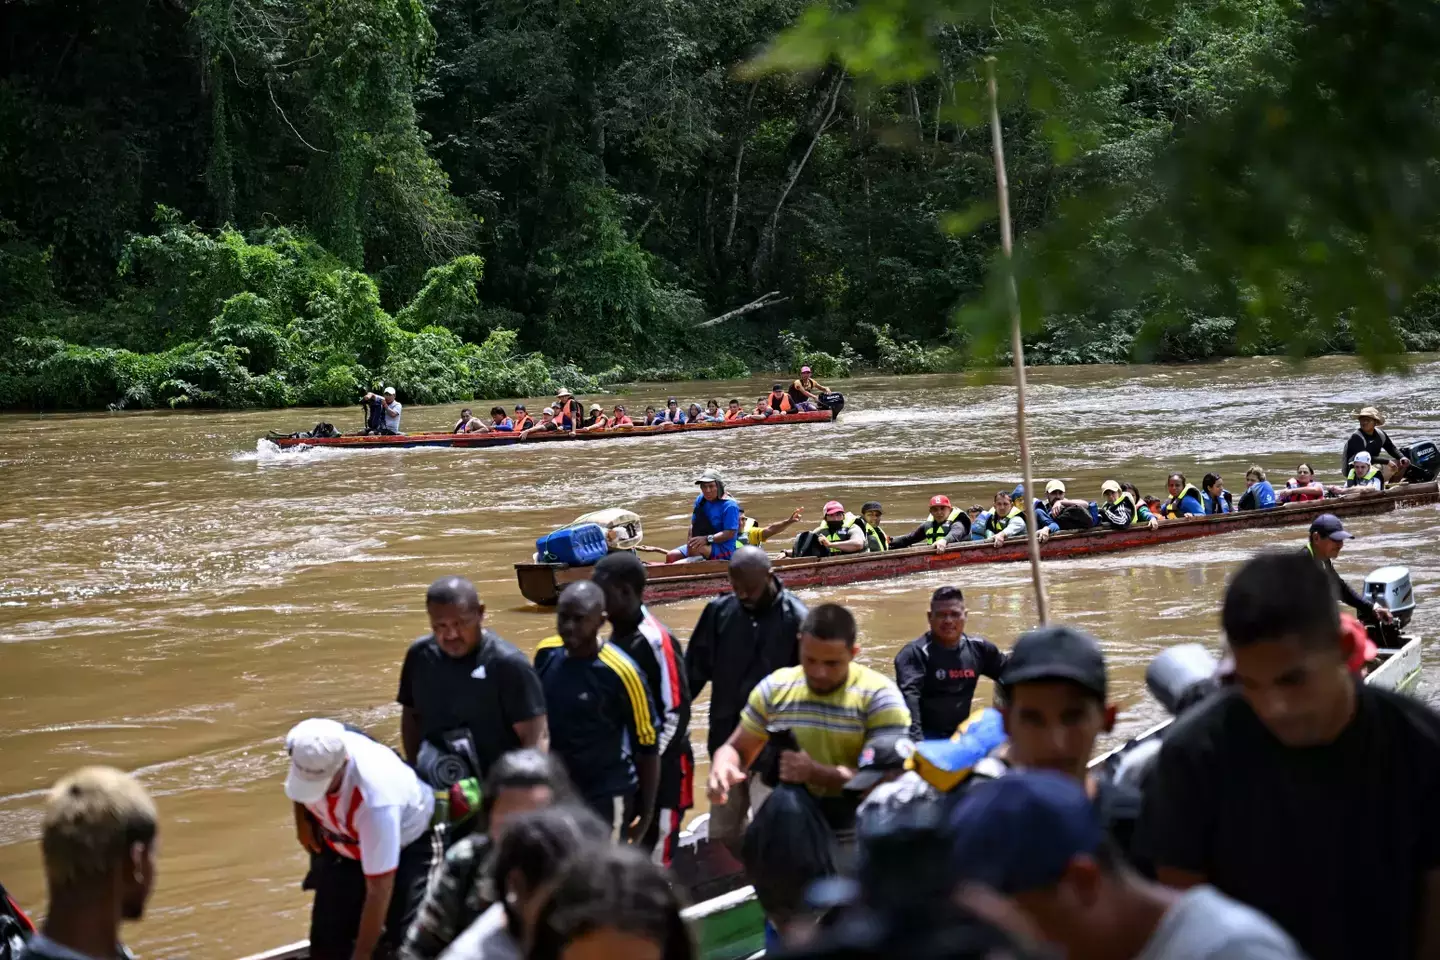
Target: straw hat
<point x="1373" y="414"/>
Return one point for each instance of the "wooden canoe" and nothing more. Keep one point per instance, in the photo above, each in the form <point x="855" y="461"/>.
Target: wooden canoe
<point x="541" y="582"/>
<point x="473" y="440"/>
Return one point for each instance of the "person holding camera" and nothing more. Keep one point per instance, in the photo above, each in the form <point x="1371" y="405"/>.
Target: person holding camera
<point x="832" y="705"/>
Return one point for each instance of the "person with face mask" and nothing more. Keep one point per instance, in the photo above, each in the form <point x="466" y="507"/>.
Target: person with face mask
<point x="839" y="532"/>
<point x="741" y="638"/>
<point x="1300" y="790"/>
<point x="98" y="840"/>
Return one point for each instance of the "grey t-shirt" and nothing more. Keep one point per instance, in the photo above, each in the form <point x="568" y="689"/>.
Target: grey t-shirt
<point x="488" y="938"/>
<point x="392" y="415"/>
<point x="1204" y="924"/>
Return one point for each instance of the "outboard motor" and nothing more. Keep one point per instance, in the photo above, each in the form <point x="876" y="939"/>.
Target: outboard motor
<point x="1182" y="676"/>
<point x="1391" y="586"/>
<point x="832" y="401"/>
<point x="1424" y="461"/>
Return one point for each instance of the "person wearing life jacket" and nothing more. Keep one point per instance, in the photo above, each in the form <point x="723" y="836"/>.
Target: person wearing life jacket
<point x="804" y="392"/>
<point x="619" y="418"/>
<point x="1364" y="474"/>
<point x="567" y="411"/>
<point x="1259" y="494"/>
<point x="1301" y="488"/>
<point x="498" y="422"/>
<point x="946" y="523"/>
<point x="673" y="414"/>
<point x="1121" y="508"/>
<point x="522" y="421"/>
<point x="693" y="414"/>
<point x="547" y="424"/>
<point x="1045" y="524"/>
<point x="596" y="420"/>
<point x="734" y="412"/>
<point x="651" y="417"/>
<point x="1184" y="499"/>
<point x="1065" y="513"/>
<point x="840" y="532"/>
<point x="752" y="534"/>
<point x="779" y="400"/>
<point x="762" y="409"/>
<point x="877" y="540"/>
<point x="1213" y="495"/>
<point x="468" y="423"/>
<point x="1327" y="537"/>
<point x="1006" y="520"/>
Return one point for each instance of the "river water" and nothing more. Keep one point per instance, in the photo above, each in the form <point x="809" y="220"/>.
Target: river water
<point x="177" y="595"/>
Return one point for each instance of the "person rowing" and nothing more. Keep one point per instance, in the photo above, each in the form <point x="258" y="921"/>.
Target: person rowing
<point x="944" y="519"/>
<point x="805" y="392"/>
<point x="1370" y="439"/>
<point x="1184" y="500"/>
<point x="840" y="532"/>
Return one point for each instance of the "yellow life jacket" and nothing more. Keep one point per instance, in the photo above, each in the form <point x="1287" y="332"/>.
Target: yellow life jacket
<point x="838" y="536"/>
<point x="751" y="527"/>
<point x="935" y="532"/>
<point x="995" y="524"/>
<point x="1350" y="480"/>
<point x="1171" y="508"/>
<point x="876" y="534"/>
<point x="1135" y="509"/>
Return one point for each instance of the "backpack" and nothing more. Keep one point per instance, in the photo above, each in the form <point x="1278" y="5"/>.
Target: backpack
<point x="15" y="928"/>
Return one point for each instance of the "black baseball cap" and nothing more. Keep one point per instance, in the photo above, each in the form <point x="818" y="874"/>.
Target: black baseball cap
<point x="872" y="505"/>
<point x="1056" y="653"/>
<point x="884" y="754"/>
<point x="1329" y="526"/>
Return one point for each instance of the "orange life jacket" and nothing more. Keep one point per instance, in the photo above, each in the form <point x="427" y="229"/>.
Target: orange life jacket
<point x="524" y="423"/>
<point x="734" y="415"/>
<point x="782" y="404"/>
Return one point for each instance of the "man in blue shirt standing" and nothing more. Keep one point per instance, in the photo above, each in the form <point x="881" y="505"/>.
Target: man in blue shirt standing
<point x="603" y="723"/>
<point x="714" y="524"/>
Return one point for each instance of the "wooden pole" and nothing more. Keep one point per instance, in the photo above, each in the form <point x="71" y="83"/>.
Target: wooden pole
<point x="1017" y="346"/>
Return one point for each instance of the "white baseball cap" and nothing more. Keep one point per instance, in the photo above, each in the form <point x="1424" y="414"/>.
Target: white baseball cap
<point x="1055" y="486"/>
<point x="1362" y="457"/>
<point x="390" y="391"/>
<point x="317" y="752"/>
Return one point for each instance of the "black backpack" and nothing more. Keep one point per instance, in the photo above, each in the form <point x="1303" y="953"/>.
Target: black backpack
<point x="15" y="928"/>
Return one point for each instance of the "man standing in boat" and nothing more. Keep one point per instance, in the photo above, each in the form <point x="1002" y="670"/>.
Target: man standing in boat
<point x="1369" y="438"/>
<point x="937" y="672"/>
<point x="1327" y="537"/>
<point x="741" y="638"/>
<point x="465" y="693"/>
<point x="1299" y="790"/>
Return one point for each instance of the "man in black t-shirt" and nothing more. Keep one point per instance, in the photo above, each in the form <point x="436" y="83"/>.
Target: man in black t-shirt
<point x="463" y="690"/>
<point x="1053" y="694"/>
<point x="1300" y="791"/>
<point x="937" y="672"/>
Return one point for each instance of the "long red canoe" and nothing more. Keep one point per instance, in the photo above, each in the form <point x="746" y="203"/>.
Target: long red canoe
<point x="471" y="440"/>
<point x="541" y="582"/>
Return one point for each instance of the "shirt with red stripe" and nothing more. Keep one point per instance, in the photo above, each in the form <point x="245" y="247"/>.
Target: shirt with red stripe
<point x="656" y="651"/>
<point x="379" y="808"/>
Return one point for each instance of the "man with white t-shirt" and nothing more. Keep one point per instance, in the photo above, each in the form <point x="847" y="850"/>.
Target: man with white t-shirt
<point x="365" y="816"/>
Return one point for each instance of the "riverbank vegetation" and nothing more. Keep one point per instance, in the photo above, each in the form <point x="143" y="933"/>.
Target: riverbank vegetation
<point x="277" y="202"/>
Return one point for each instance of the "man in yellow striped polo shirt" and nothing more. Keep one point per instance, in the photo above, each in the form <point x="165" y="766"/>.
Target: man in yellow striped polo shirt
<point x="833" y="706"/>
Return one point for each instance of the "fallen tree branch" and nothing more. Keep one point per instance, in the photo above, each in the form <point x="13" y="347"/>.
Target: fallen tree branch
<point x="769" y="300"/>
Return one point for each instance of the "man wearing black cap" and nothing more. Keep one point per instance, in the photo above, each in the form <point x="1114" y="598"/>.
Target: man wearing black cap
<point x="876" y="537"/>
<point x="1298" y="790"/>
<point x="1053" y="695"/>
<point x="1327" y="537"/>
<point x="881" y="781"/>
<point x="1032" y="837"/>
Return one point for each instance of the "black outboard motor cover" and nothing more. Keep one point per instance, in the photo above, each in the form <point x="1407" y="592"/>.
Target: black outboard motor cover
<point x="1182" y="676"/>
<point x="1424" y="461"/>
<point x="832" y="401"/>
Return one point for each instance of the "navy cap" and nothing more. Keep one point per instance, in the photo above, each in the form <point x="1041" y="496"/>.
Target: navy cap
<point x="871" y="505"/>
<point x="1056" y="653"/>
<point x="1019" y="832"/>
<point x="1329" y="526"/>
<point x="1018" y="493"/>
<point x="884" y="754"/>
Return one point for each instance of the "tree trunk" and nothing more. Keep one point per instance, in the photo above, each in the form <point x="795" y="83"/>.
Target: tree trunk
<point x="741" y="136"/>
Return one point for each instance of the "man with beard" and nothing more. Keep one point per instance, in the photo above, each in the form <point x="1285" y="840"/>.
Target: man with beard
<point x="99" y="846"/>
<point x="634" y="629"/>
<point x="833" y="706"/>
<point x="740" y="639"/>
<point x="1300" y="790"/>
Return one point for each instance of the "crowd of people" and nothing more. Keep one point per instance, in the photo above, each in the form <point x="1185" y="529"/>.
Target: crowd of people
<point x="719" y="524"/>
<point x="535" y="804"/>
<point x="569" y="414"/>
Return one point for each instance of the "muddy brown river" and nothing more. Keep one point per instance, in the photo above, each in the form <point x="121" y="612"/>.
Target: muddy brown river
<point x="175" y="596"/>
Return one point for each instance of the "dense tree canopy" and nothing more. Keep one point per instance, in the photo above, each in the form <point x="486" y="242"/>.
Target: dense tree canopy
<point x="272" y="202"/>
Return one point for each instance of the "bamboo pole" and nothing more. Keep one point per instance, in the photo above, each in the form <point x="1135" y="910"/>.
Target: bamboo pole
<point x="1017" y="346"/>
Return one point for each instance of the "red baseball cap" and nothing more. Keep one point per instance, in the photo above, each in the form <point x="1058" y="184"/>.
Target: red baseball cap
<point x="834" y="506"/>
<point x="940" y="500"/>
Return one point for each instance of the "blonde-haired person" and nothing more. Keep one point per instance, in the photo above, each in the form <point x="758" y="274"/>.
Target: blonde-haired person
<point x="99" y="847"/>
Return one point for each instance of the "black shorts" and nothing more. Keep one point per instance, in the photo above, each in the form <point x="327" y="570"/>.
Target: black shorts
<point x="339" y="885"/>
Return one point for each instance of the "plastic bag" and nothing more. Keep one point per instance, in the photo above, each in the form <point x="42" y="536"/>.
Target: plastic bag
<point x="788" y="846"/>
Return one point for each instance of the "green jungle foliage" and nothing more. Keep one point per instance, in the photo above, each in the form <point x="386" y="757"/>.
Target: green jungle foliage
<point x="276" y="202"/>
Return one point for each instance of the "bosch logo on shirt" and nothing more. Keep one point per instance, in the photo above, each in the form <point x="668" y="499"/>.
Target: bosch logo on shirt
<point x="959" y="674"/>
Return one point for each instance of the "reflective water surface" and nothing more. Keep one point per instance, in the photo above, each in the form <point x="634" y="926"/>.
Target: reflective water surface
<point x="177" y="595"/>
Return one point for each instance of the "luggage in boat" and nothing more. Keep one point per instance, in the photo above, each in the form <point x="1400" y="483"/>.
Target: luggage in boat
<point x="581" y="545"/>
<point x="787" y="847"/>
<point x="623" y="530"/>
<point x="1424" y="461"/>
